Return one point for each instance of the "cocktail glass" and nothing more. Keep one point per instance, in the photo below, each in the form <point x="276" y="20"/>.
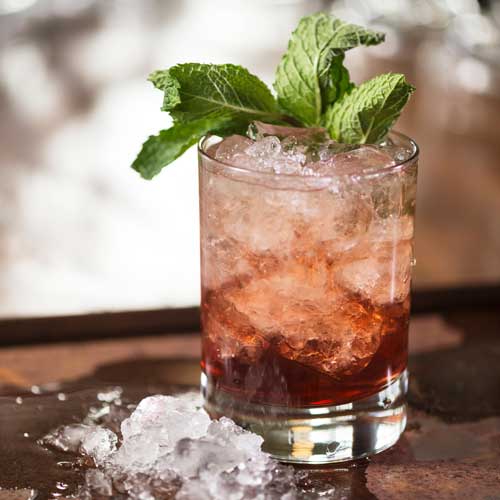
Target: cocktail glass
<point x="306" y="300"/>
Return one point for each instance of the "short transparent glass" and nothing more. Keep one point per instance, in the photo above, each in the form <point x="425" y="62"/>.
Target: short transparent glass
<point x="305" y="304"/>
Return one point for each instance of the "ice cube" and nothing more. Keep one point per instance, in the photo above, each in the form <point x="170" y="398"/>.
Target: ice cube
<point x="361" y="160"/>
<point x="265" y="155"/>
<point x="111" y="396"/>
<point x="269" y="156"/>
<point x="193" y="490"/>
<point x="67" y="437"/>
<point x="303" y="312"/>
<point x="381" y="274"/>
<point x="379" y="269"/>
<point x="110" y="416"/>
<point x="265" y="148"/>
<point x="399" y="152"/>
<point x="232" y="150"/>
<point x="336" y="221"/>
<point x="394" y="194"/>
<point x="156" y="425"/>
<point x="228" y="463"/>
<point x="227" y="432"/>
<point x="138" y="453"/>
<point x="153" y="485"/>
<point x="193" y="456"/>
<point x="98" y="483"/>
<point x="99" y="443"/>
<point x="391" y="229"/>
<point x="234" y="207"/>
<point x="164" y="418"/>
<point x="300" y="151"/>
<point x="231" y="331"/>
<point x="224" y="258"/>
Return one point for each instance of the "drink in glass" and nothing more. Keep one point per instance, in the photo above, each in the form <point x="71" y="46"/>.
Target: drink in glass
<point x="306" y="255"/>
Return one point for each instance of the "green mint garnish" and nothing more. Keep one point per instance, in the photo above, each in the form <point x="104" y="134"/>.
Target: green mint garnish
<point x="203" y="98"/>
<point x="367" y="113"/>
<point x="313" y="89"/>
<point x="309" y="74"/>
<point x="162" y="149"/>
<point x="194" y="91"/>
<point x="339" y="83"/>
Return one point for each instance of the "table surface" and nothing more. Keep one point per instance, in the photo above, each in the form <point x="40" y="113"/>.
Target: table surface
<point x="451" y="448"/>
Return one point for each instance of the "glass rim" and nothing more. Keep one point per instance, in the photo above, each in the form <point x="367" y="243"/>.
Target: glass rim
<point x="375" y="172"/>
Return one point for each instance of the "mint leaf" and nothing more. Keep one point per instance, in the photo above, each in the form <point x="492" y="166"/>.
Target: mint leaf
<point x="164" y="81"/>
<point x="304" y="81"/>
<point x="194" y="91"/>
<point x="202" y="98"/>
<point x="339" y="82"/>
<point x="366" y="114"/>
<point x="160" y="150"/>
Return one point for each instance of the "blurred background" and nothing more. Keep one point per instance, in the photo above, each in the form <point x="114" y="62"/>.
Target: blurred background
<point x="81" y="232"/>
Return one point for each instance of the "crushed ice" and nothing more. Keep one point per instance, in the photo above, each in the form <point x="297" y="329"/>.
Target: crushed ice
<point x="167" y="447"/>
<point x="303" y="151"/>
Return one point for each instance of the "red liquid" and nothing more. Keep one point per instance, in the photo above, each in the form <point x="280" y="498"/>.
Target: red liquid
<point x="268" y="377"/>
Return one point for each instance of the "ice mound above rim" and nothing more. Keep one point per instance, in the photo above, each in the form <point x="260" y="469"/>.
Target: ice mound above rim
<point x="302" y="151"/>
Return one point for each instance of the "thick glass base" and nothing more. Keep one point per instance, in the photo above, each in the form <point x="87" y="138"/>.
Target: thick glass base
<point x="319" y="435"/>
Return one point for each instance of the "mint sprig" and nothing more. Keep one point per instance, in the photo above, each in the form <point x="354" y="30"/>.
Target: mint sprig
<point x="367" y="113"/>
<point x="202" y="98"/>
<point x="312" y="84"/>
<point x="304" y="82"/>
<point x="194" y="91"/>
<point x="339" y="82"/>
<point x="162" y="149"/>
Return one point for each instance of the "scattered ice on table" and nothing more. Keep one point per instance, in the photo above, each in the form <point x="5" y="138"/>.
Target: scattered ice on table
<point x="67" y="438"/>
<point x="169" y="448"/>
<point x="98" y="483"/>
<point x="109" y="415"/>
<point x="157" y="424"/>
<point x="110" y="396"/>
<point x="228" y="463"/>
<point x="100" y="444"/>
<point x="161" y="485"/>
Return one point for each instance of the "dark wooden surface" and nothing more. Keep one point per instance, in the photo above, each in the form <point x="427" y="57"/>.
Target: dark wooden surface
<point x="450" y="450"/>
